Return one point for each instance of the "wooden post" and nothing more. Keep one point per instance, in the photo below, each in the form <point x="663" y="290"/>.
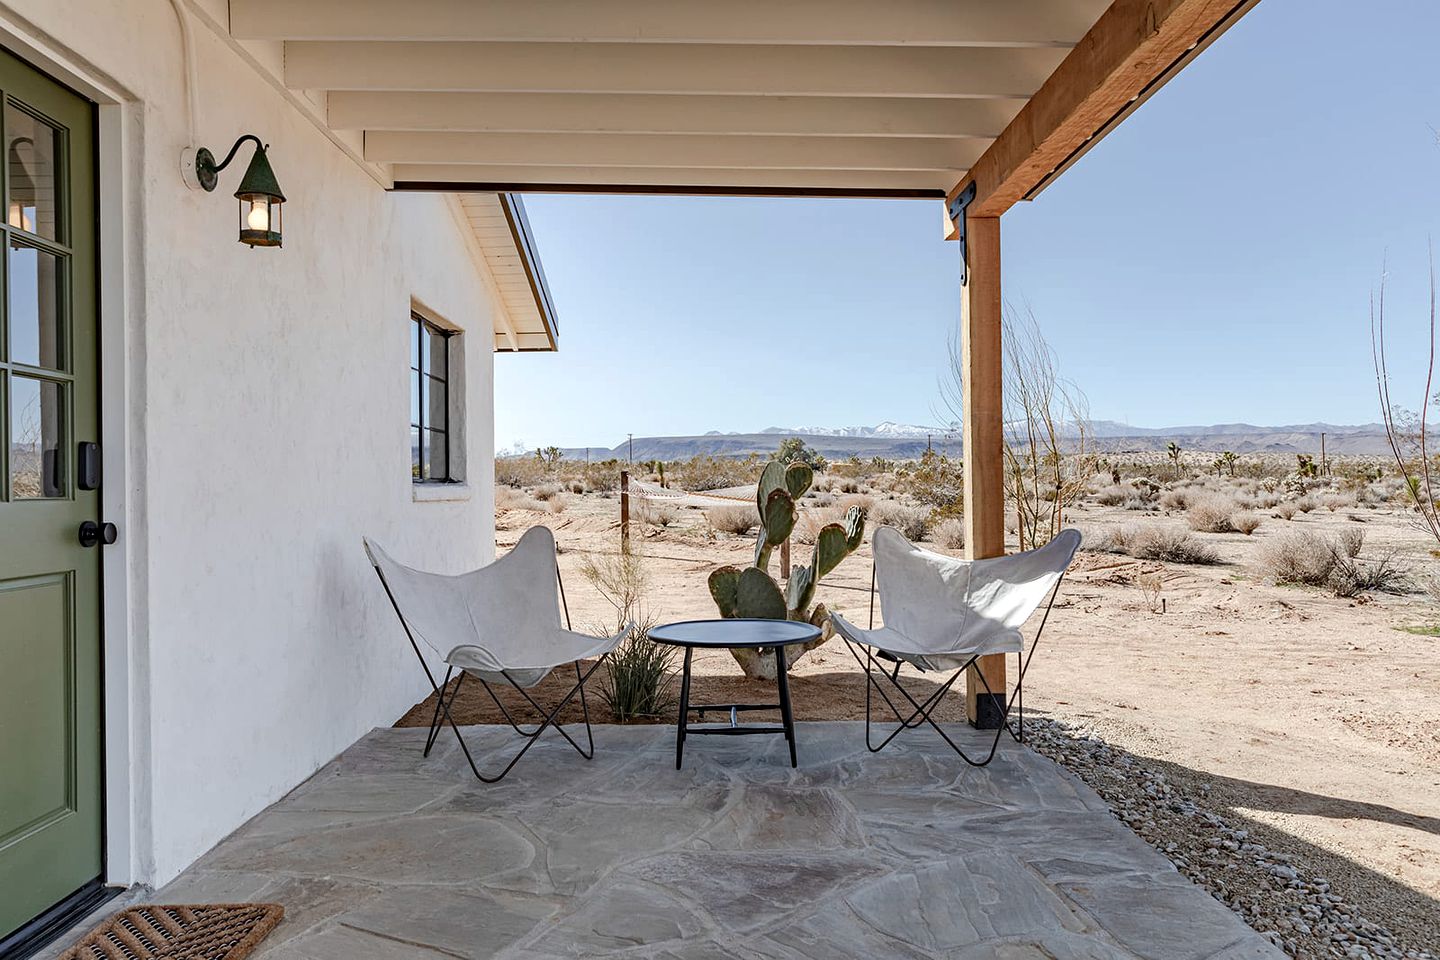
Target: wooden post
<point x="624" y="511"/>
<point x="785" y="558"/>
<point x="982" y="399"/>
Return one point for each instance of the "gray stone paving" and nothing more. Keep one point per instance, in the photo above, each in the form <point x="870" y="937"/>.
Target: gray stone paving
<point x="907" y="854"/>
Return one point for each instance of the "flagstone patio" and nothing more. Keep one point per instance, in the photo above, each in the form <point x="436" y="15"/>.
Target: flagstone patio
<point x="907" y="853"/>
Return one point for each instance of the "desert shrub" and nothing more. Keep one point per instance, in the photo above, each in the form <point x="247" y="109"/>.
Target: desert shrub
<point x="1306" y="503"/>
<point x="848" y="486"/>
<point x="739" y="519"/>
<point x="796" y="450"/>
<point x="577" y="487"/>
<point x="546" y="491"/>
<point x="1154" y="542"/>
<point x="1300" y="557"/>
<point x="1351" y="577"/>
<point x="1177" y="499"/>
<point x="950" y="534"/>
<point x="655" y="513"/>
<point x="639" y="678"/>
<point x="1337" y="502"/>
<point x="937" y="481"/>
<point x="1350" y="540"/>
<point x="520" y="471"/>
<point x="810" y="522"/>
<point x="602" y="477"/>
<point x="821" y="499"/>
<point x="508" y="498"/>
<point x="1285" y="510"/>
<point x="913" y="522"/>
<point x="1245" y="522"/>
<point x="557" y="503"/>
<point x="1114" y="495"/>
<point x="1210" y="514"/>
<point x="707" y="472"/>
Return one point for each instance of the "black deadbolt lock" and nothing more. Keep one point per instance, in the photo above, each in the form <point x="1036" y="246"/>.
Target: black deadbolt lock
<point x="92" y="533"/>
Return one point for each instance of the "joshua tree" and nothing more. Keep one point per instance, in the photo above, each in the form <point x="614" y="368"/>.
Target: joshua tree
<point x="1305" y="466"/>
<point x="550" y="456"/>
<point x="1219" y="464"/>
<point x="1229" y="458"/>
<point x="752" y="592"/>
<point x="1173" y="449"/>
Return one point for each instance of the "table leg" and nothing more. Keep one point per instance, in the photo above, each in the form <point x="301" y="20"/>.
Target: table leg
<point x="684" y="709"/>
<point x="782" y="681"/>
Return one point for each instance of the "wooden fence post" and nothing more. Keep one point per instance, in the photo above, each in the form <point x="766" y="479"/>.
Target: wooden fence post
<point x="625" y="511"/>
<point x="785" y="558"/>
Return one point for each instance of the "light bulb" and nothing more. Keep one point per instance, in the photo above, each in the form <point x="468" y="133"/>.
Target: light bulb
<point x="259" y="216"/>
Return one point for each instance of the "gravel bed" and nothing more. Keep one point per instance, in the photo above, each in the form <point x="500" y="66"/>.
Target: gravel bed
<point x="1272" y="891"/>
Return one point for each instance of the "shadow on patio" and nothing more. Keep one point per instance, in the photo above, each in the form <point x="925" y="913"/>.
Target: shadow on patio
<point x="908" y="853"/>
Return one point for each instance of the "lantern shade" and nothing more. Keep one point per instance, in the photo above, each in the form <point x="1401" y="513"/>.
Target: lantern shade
<point x="260" y="200"/>
<point x="259" y="179"/>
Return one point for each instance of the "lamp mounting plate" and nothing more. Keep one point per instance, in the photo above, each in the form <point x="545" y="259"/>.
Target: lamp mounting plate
<point x="206" y="171"/>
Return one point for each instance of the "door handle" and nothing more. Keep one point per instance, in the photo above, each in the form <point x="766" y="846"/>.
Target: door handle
<point x="92" y="533"/>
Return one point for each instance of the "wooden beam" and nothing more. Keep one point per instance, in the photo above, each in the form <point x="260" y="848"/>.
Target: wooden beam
<point x="897" y="22"/>
<point x="660" y="68"/>
<point x="982" y="400"/>
<point x="674" y="150"/>
<point x="654" y="113"/>
<point x="1130" y="52"/>
<point x="509" y="178"/>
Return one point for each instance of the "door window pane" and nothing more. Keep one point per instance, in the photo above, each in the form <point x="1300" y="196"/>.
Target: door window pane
<point x="35" y="317"/>
<point x="37" y="438"/>
<point x="31" y="146"/>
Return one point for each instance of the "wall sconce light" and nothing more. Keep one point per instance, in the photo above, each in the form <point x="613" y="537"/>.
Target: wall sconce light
<point x="259" y="193"/>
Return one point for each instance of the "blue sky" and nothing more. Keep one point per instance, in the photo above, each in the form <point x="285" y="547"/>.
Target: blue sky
<point x="1212" y="260"/>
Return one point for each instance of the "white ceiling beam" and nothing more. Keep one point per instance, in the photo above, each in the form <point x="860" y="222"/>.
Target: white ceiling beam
<point x="864" y="22"/>
<point x="669" y="68"/>
<point x="649" y="113"/>
<point x="929" y="182"/>
<point x="674" y="150"/>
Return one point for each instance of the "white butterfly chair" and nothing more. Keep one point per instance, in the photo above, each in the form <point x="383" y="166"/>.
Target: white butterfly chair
<point x="498" y="623"/>
<point x="942" y="614"/>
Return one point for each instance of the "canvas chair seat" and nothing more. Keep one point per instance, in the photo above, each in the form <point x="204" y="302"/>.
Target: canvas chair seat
<point x="499" y="624"/>
<point x="943" y="613"/>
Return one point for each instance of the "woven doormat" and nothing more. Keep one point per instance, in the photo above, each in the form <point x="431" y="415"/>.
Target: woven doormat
<point x="210" y="931"/>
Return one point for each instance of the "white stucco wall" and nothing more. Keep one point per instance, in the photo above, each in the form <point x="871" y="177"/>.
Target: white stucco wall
<point x="265" y="398"/>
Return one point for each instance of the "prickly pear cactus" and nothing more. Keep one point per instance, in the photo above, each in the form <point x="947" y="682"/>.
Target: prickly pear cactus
<point x="753" y="592"/>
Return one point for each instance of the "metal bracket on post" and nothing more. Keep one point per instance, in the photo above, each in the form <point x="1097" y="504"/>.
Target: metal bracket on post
<point x="956" y="210"/>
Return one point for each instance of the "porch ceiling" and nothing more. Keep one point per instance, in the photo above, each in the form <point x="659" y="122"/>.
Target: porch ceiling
<point x="804" y="96"/>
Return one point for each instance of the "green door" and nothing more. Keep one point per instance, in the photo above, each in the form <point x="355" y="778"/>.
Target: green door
<point x="50" y="712"/>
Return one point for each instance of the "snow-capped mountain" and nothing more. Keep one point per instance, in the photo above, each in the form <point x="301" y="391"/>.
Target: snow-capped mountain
<point x="887" y="428"/>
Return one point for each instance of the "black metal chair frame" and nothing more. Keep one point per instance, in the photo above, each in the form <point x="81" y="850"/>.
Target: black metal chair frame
<point x="921" y="710"/>
<point x="444" y="703"/>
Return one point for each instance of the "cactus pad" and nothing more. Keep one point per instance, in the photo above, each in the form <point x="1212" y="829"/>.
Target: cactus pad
<point x="830" y="549"/>
<point x="854" y="528"/>
<point x="724" y="589"/>
<point x="798" y="477"/>
<point x="799" y="590"/>
<point x="758" y="596"/>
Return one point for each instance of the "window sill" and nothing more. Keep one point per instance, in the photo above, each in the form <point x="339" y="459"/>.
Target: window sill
<point x="439" y="492"/>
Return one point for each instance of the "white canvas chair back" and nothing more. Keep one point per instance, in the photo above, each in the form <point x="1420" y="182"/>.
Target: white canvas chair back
<point x="506" y="615"/>
<point x="943" y="605"/>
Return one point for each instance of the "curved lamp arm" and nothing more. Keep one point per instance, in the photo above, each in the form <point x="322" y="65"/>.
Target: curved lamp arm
<point x="207" y="171"/>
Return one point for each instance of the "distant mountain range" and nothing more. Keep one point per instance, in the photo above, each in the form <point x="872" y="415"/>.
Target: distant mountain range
<point x="902" y="441"/>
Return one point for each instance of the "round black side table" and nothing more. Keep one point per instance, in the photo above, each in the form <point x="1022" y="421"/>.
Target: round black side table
<point x="756" y="634"/>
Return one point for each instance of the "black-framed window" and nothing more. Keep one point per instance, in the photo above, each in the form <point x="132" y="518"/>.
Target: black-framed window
<point x="429" y="401"/>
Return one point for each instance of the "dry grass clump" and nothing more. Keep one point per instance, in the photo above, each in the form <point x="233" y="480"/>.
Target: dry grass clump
<point x="1154" y="542"/>
<point x="707" y="472"/>
<point x="950" y="534"/>
<point x="546" y="491"/>
<point x="1245" y="522"/>
<point x="1338" y="502"/>
<point x="739" y="519"/>
<point x="1211" y="514"/>
<point x="913" y="522"/>
<point x="863" y="501"/>
<point x="1285" y="510"/>
<point x="1114" y="495"/>
<point x="1299" y="557"/>
<point x="508" y="498"/>
<point x="1317" y="561"/>
<point x="521" y="471"/>
<point x="1306" y="503"/>
<point x="1177" y="499"/>
<point x="1350" y="540"/>
<point x="656" y="514"/>
<point x="810" y="522"/>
